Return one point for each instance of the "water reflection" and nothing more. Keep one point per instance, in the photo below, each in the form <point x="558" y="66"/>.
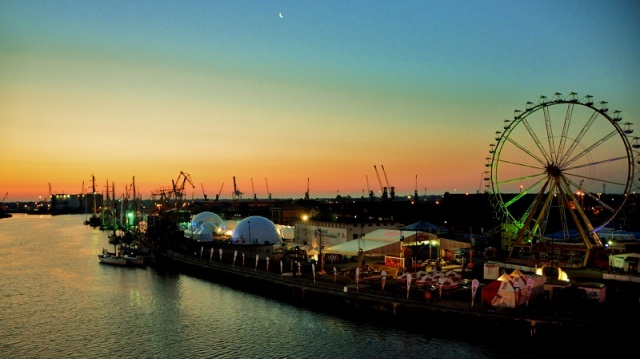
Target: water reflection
<point x="58" y="301"/>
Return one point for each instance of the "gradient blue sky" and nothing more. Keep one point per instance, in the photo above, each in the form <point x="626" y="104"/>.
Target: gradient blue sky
<point x="217" y="89"/>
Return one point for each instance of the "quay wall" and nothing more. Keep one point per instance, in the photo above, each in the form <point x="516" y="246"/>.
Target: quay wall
<point x="349" y="302"/>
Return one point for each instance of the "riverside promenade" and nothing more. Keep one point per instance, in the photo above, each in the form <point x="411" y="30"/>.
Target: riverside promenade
<point x="452" y="313"/>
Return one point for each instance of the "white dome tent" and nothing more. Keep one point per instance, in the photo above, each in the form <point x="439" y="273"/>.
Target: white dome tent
<point x="202" y="226"/>
<point x="255" y="230"/>
<point x="206" y="216"/>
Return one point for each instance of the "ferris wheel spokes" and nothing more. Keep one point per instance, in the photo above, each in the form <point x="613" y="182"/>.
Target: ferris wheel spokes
<point x="536" y="140"/>
<point x="580" y="136"/>
<point x="589" y="149"/>
<point x="531" y="154"/>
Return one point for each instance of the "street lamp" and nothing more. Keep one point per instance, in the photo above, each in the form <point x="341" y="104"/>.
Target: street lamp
<point x="401" y="251"/>
<point x="321" y="258"/>
<point x="360" y="244"/>
<point x="415" y="256"/>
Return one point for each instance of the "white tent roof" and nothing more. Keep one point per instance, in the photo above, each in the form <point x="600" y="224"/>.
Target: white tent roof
<point x="388" y="235"/>
<point x="368" y="246"/>
<point x="255" y="230"/>
<point x="381" y="241"/>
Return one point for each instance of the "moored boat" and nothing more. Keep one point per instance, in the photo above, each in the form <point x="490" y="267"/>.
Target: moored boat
<point x="111" y="258"/>
<point x="134" y="260"/>
<point x="94" y="221"/>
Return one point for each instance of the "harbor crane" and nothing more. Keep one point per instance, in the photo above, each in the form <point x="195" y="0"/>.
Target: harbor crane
<point x="369" y="191"/>
<point x="204" y="194"/>
<point x="2" y="206"/>
<point x="236" y="191"/>
<point x="392" y="189"/>
<point x="179" y="191"/>
<point x="167" y="197"/>
<point x="253" y="190"/>
<point x="219" y="192"/>
<point x="382" y="188"/>
<point x="268" y="192"/>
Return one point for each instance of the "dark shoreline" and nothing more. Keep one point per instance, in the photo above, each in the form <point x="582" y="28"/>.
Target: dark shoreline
<point x="443" y="317"/>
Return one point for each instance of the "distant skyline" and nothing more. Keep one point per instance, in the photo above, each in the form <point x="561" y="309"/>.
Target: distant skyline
<point x="287" y="93"/>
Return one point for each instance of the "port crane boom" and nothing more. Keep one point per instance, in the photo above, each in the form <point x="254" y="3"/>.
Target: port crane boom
<point x="382" y="188"/>
<point x="253" y="190"/>
<point x="267" y="183"/>
<point x="219" y="192"/>
<point x="203" y="193"/>
<point x="369" y="191"/>
<point x="178" y="187"/>
<point x="236" y="191"/>
<point x="393" y="191"/>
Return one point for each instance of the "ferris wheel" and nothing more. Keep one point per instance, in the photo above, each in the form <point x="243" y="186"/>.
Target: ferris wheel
<point x="561" y="169"/>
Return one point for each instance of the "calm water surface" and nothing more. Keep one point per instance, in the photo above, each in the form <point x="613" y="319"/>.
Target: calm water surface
<point x="57" y="301"/>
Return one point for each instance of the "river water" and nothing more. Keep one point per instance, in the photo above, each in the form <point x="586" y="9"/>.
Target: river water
<point x="57" y="301"/>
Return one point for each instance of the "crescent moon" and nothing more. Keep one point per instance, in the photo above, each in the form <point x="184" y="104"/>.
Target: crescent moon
<point x="280" y="14"/>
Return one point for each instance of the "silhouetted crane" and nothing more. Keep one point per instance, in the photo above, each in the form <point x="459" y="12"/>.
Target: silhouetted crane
<point x="178" y="187"/>
<point x="370" y="192"/>
<point x="392" y="189"/>
<point x="219" y="192"/>
<point x="253" y="190"/>
<point x="236" y="191"/>
<point x="382" y="189"/>
<point x="204" y="194"/>
<point x="268" y="192"/>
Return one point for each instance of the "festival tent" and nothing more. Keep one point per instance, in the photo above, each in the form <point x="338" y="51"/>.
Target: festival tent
<point x="511" y="290"/>
<point x="378" y="242"/>
<point x="521" y="281"/>
<point x="204" y="232"/>
<point x="255" y="230"/>
<point x="202" y="226"/>
<point x="500" y="293"/>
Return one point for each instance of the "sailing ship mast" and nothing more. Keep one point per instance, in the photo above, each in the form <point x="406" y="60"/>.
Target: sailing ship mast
<point x="95" y="220"/>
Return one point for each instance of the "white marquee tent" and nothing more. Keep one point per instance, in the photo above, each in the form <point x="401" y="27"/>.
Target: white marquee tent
<point x="378" y="242"/>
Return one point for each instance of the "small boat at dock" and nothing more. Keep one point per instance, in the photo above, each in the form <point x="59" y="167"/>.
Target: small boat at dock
<point x="134" y="260"/>
<point x="107" y="257"/>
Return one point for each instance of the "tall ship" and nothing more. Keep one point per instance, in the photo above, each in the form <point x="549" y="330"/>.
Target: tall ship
<point x="95" y="219"/>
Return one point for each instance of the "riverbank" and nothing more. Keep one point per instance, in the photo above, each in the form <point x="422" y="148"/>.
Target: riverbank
<point x="451" y="313"/>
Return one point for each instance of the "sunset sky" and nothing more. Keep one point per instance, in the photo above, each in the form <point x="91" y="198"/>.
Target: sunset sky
<point x="287" y="93"/>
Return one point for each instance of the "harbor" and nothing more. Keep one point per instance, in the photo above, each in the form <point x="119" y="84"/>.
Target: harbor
<point x="63" y="303"/>
<point x="395" y="305"/>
